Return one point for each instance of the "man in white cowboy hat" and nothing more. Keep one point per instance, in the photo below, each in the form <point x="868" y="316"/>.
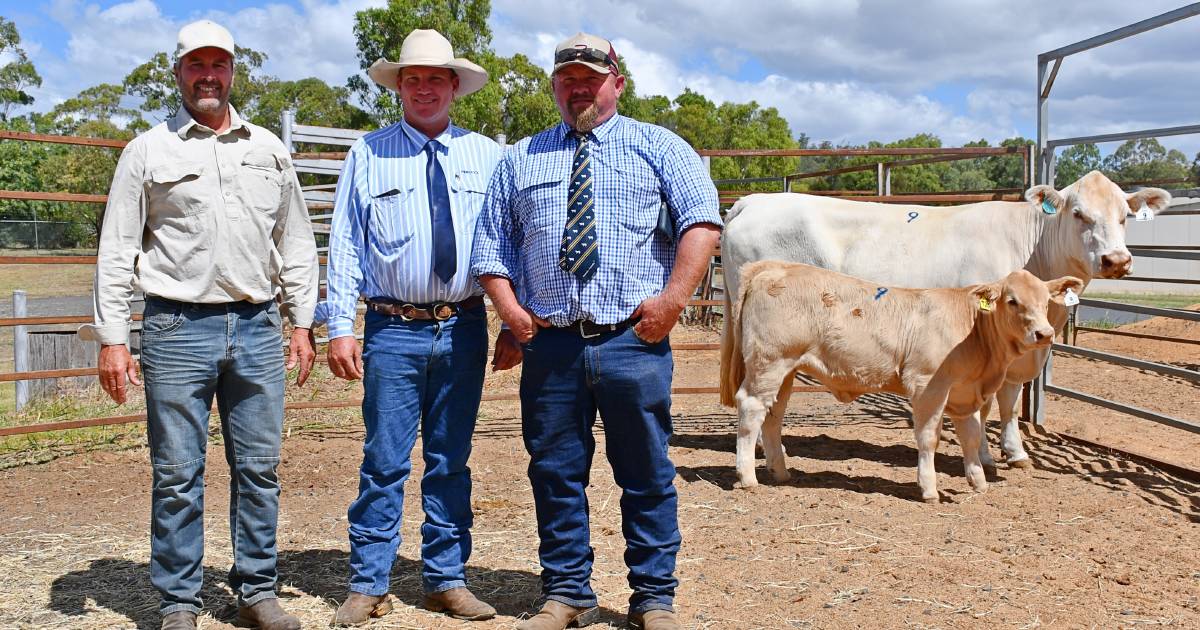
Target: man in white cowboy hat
<point x="570" y="250"/>
<point x="206" y="216"/>
<point x="403" y="226"/>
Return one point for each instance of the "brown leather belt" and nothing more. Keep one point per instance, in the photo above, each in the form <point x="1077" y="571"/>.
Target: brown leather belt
<point x="439" y="311"/>
<point x="588" y="329"/>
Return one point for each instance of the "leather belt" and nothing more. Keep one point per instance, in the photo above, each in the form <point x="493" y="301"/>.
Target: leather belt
<point x="439" y="311"/>
<point x="589" y="329"/>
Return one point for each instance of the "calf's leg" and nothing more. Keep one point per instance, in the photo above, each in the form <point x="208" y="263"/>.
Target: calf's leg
<point x="754" y="398"/>
<point x="927" y="425"/>
<point x="1010" y="433"/>
<point x="969" y="430"/>
<point x="772" y="433"/>
<point x="985" y="455"/>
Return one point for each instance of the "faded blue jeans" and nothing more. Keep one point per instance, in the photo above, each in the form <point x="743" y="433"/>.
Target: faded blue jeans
<point x="192" y="353"/>
<point x="565" y="380"/>
<point x="427" y="375"/>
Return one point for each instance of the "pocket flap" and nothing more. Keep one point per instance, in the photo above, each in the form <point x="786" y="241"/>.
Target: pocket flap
<point x="262" y="160"/>
<point x="175" y="172"/>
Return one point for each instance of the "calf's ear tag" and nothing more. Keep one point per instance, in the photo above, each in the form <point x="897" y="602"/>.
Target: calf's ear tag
<point x="1144" y="214"/>
<point x="1048" y="207"/>
<point x="984" y="304"/>
<point x="1070" y="299"/>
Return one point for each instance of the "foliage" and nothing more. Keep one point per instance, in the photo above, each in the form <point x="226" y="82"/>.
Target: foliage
<point x="17" y="75"/>
<point x="314" y="101"/>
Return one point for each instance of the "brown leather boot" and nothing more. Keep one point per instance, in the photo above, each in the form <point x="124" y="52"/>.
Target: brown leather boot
<point x="268" y="615"/>
<point x="654" y="620"/>
<point x="179" y="620"/>
<point x="556" y="615"/>
<point x="459" y="603"/>
<point x="359" y="609"/>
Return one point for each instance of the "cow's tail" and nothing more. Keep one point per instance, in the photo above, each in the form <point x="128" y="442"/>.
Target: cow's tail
<point x="733" y="364"/>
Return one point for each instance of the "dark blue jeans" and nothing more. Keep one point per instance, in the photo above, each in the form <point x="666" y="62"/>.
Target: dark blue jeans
<point x="425" y="374"/>
<point x="565" y="380"/>
<point x="191" y="353"/>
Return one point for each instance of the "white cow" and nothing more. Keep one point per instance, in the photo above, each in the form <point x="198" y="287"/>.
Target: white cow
<point x="945" y="350"/>
<point x="1079" y="231"/>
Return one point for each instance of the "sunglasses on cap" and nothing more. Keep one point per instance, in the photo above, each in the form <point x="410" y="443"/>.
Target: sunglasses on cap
<point x="590" y="55"/>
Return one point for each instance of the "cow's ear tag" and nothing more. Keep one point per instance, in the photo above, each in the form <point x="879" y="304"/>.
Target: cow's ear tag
<point x="1048" y="207"/>
<point x="1144" y="214"/>
<point x="1070" y="299"/>
<point x="984" y="304"/>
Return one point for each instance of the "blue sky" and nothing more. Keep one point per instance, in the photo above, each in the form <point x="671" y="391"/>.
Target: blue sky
<point x="843" y="71"/>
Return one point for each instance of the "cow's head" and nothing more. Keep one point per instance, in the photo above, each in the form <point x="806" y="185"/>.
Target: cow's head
<point x="1090" y="216"/>
<point x="1018" y="306"/>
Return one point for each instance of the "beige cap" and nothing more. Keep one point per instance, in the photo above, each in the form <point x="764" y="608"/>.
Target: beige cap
<point x="424" y="47"/>
<point x="593" y="51"/>
<point x="203" y="34"/>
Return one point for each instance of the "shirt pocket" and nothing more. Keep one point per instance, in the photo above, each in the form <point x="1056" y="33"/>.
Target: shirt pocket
<point x="542" y="206"/>
<point x="176" y="190"/>
<point x="261" y="179"/>
<point x="389" y="226"/>
<point x="641" y="199"/>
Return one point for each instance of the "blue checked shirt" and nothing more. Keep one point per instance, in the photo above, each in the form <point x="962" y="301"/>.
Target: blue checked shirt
<point x="635" y="166"/>
<point x="379" y="245"/>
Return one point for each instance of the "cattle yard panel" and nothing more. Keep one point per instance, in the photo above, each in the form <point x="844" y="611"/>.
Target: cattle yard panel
<point x="1034" y="407"/>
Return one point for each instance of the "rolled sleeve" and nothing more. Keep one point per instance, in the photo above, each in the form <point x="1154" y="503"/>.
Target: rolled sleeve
<point x="689" y="189"/>
<point x="495" y="251"/>
<point x="346" y="243"/>
<point x="299" y="273"/>
<point x="119" y="246"/>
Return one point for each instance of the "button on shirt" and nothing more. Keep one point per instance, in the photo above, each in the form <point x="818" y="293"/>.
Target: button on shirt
<point x="199" y="217"/>
<point x="379" y="245"/>
<point x="635" y="167"/>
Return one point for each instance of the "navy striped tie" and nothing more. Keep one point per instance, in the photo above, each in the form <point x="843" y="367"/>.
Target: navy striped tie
<point x="579" y="253"/>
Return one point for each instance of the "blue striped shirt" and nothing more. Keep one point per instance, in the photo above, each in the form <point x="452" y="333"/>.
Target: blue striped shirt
<point x="635" y="167"/>
<point x="379" y="244"/>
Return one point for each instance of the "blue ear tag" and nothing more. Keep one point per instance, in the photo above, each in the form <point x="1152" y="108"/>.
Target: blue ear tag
<point x="1048" y="207"/>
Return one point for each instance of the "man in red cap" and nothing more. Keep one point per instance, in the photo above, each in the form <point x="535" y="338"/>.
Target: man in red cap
<point x="590" y="275"/>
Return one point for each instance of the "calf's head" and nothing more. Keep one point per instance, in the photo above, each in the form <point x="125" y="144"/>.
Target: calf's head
<point x="1017" y="306"/>
<point x="1090" y="222"/>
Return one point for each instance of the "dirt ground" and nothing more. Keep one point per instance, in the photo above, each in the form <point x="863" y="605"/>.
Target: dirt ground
<point x="1084" y="539"/>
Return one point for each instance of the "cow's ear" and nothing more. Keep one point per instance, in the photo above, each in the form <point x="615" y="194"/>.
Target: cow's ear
<point x="985" y="296"/>
<point x="1156" y="199"/>
<point x="1039" y="196"/>
<point x="1058" y="288"/>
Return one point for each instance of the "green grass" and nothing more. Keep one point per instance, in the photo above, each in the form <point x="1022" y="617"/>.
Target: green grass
<point x="19" y="450"/>
<point x="1161" y="300"/>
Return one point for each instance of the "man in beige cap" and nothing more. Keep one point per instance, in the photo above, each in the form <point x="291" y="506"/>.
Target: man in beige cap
<point x="206" y="217"/>
<point x="590" y="275"/>
<point x="403" y="226"/>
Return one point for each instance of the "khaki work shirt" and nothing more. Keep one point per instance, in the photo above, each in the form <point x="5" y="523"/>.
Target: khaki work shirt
<point x="197" y="216"/>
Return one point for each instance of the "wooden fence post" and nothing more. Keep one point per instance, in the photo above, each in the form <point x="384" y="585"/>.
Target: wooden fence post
<point x="20" y="349"/>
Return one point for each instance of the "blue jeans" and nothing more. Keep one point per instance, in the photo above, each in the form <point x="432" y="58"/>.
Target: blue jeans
<point x="565" y="380"/>
<point x="191" y="353"/>
<point x="427" y="374"/>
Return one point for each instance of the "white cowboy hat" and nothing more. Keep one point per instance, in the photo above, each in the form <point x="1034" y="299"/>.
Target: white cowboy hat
<point x="429" y="48"/>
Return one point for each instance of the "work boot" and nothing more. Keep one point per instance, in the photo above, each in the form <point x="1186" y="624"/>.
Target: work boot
<point x="459" y="603"/>
<point x="556" y="615"/>
<point x="268" y="615"/>
<point x="179" y="620"/>
<point x="654" y="620"/>
<point x="359" y="609"/>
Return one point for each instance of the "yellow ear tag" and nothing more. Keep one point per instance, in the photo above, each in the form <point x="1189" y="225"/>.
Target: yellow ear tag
<point x="984" y="304"/>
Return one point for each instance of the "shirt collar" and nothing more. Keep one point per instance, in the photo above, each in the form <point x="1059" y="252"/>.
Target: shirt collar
<point x="420" y="139"/>
<point x="183" y="123"/>
<point x="599" y="133"/>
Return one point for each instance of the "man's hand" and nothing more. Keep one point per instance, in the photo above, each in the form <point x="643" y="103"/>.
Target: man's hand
<point x="508" y="352"/>
<point x="522" y="322"/>
<point x="300" y="351"/>
<point x="115" y="366"/>
<point x="658" y="316"/>
<point x="345" y="358"/>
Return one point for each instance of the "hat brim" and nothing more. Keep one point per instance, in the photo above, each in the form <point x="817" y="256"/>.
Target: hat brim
<point x="471" y="77"/>
<point x="590" y="66"/>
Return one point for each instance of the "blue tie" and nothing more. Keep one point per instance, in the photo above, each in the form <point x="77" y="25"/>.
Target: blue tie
<point x="579" y="253"/>
<point x="445" y="255"/>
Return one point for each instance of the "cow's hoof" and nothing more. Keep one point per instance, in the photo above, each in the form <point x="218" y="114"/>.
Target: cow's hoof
<point x="783" y="477"/>
<point x="932" y="499"/>
<point x="746" y="485"/>
<point x="980" y="487"/>
<point x="990" y="469"/>
<point x="1025" y="464"/>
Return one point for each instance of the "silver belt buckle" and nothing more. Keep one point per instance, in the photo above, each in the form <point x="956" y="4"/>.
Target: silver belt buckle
<point x="584" y="334"/>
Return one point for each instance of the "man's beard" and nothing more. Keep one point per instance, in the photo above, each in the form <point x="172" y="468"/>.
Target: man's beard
<point x="585" y="120"/>
<point x="208" y="104"/>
